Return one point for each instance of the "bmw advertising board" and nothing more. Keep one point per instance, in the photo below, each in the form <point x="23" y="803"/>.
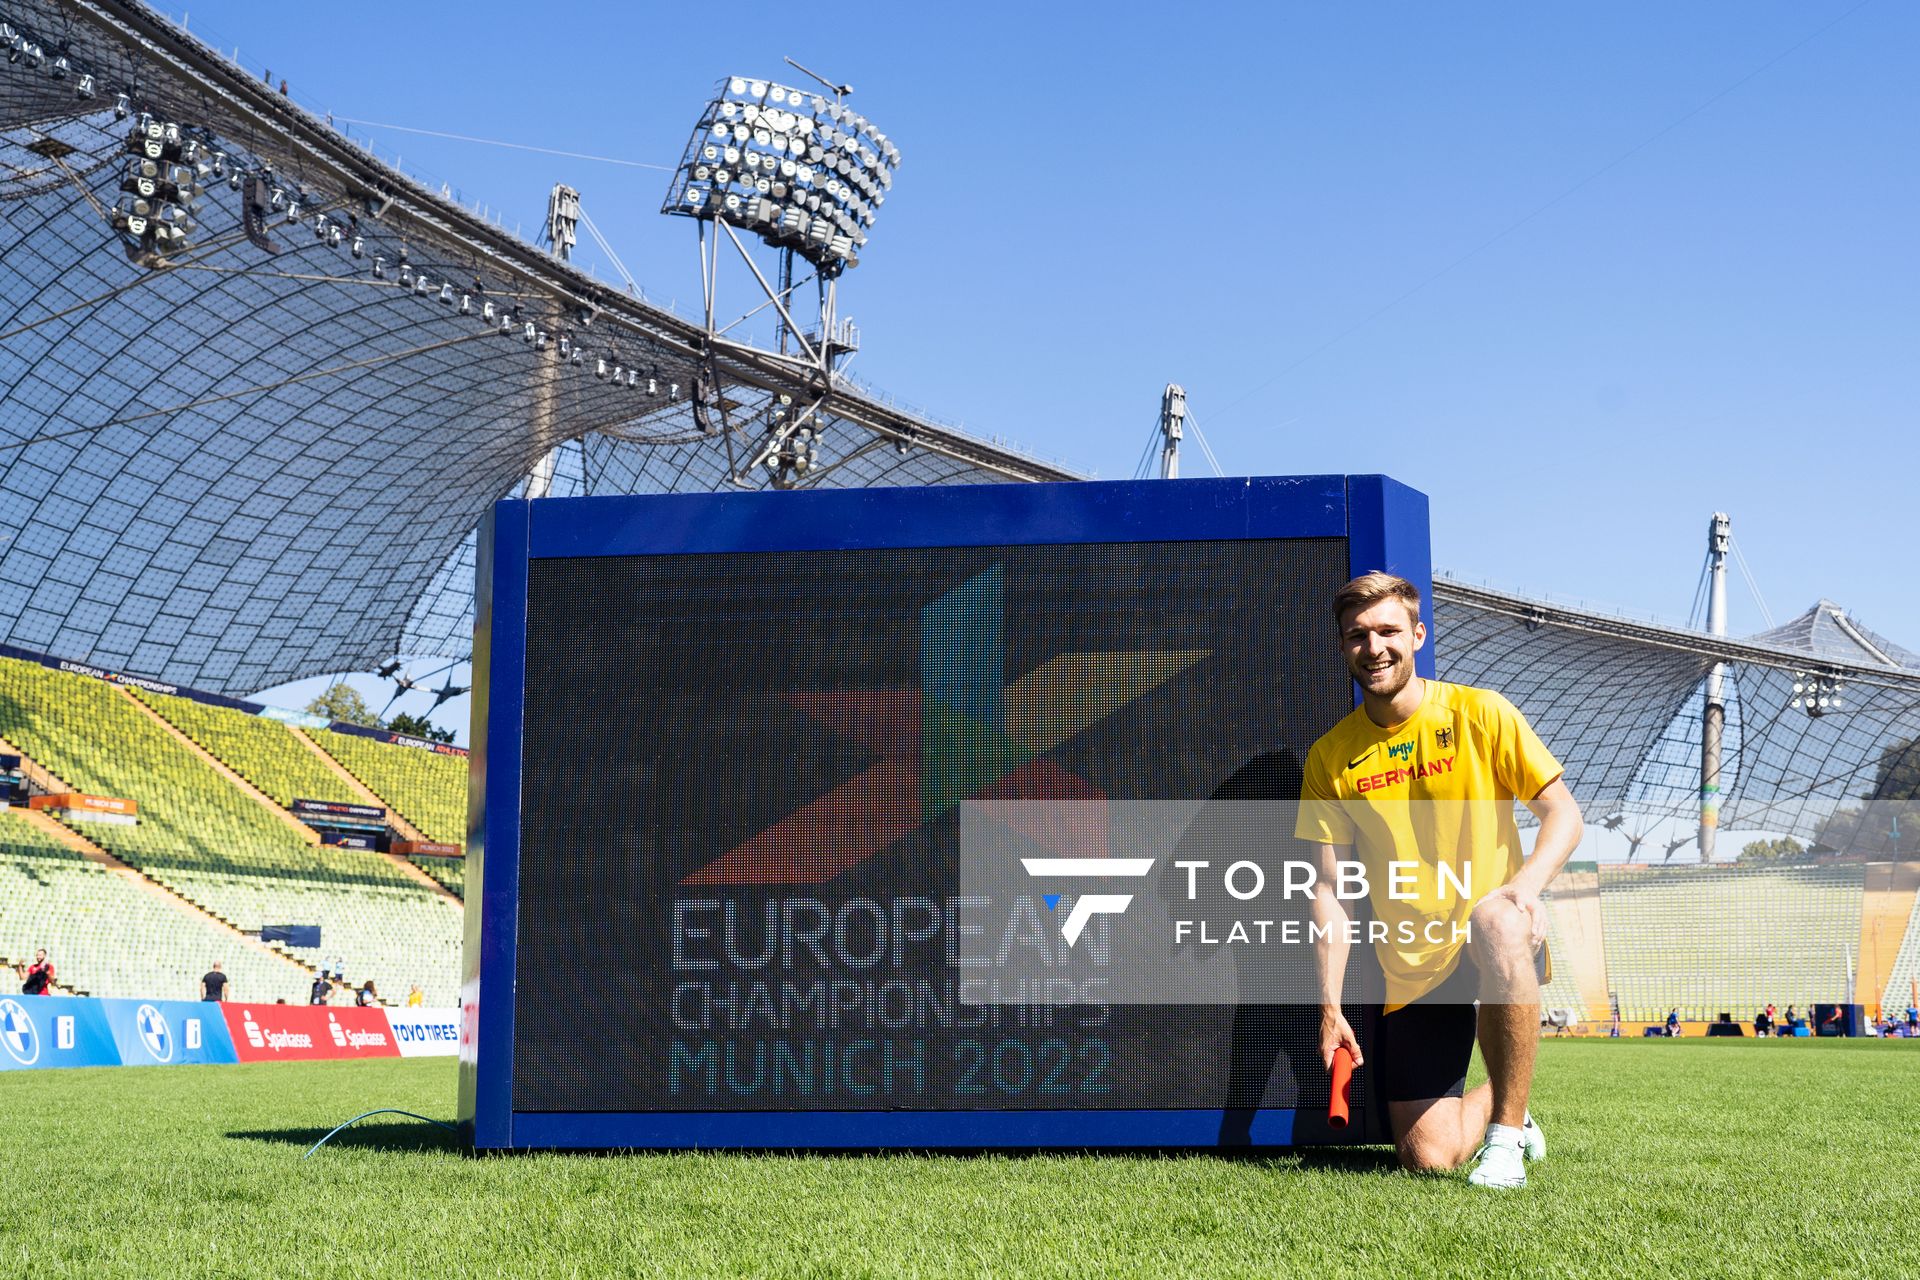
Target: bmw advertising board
<point x="166" y="1032"/>
<point x="49" y="1031"/>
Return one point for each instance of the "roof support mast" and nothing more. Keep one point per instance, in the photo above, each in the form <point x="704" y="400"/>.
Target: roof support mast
<point x="1173" y="427"/>
<point x="1714" y="719"/>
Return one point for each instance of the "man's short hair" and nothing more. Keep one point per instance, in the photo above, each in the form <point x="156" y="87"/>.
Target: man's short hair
<point x="1370" y="589"/>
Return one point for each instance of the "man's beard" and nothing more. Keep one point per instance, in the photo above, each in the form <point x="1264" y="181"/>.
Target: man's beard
<point x="1403" y="670"/>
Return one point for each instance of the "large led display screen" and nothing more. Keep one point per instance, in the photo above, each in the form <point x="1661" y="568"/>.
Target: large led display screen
<point x="742" y="794"/>
<point x="741" y="776"/>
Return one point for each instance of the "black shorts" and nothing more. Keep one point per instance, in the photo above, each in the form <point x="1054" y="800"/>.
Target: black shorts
<point x="1423" y="1049"/>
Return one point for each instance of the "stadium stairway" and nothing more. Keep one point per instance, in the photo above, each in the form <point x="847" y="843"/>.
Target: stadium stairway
<point x="36" y="775"/>
<point x="358" y="789"/>
<point x="300" y="829"/>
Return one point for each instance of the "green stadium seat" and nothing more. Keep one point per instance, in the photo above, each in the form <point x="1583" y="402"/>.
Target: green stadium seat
<point x="262" y="751"/>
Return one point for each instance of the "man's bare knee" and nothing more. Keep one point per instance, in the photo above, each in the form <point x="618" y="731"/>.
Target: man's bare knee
<point x="1499" y="928"/>
<point x="1503" y="952"/>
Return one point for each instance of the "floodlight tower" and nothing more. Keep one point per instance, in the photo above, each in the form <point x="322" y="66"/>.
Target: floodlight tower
<point x="806" y="174"/>
<point x="1714" y="718"/>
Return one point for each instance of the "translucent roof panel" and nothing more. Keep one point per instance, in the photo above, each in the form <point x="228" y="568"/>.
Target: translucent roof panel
<point x="1622" y="704"/>
<point x="264" y="457"/>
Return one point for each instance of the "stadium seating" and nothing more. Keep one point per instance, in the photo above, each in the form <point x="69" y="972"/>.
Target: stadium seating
<point x="109" y="937"/>
<point x="208" y="841"/>
<point x="1561" y="991"/>
<point x="395" y="936"/>
<point x="264" y="752"/>
<point x="450" y="872"/>
<point x="1728" y="938"/>
<point x="426" y="788"/>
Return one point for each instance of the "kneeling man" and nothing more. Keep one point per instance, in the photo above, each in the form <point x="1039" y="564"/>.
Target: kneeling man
<point x="1418" y="785"/>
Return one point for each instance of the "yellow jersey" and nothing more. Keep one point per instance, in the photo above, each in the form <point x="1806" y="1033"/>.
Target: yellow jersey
<point x="1427" y="805"/>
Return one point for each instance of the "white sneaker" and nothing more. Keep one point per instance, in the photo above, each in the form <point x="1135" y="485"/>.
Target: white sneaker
<point x="1500" y="1166"/>
<point x="1533" y="1143"/>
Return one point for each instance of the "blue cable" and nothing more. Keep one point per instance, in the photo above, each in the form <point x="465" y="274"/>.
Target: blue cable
<point x="384" y="1111"/>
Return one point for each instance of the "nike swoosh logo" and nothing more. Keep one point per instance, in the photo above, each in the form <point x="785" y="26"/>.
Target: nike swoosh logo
<point x="1361" y="758"/>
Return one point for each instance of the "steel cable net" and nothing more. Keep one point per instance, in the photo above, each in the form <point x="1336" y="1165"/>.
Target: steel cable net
<point x="1812" y="743"/>
<point x="265" y="457"/>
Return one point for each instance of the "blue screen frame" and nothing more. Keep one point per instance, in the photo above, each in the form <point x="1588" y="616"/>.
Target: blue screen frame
<point x="1385" y="524"/>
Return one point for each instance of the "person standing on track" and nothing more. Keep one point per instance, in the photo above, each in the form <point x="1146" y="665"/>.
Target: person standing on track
<point x="1418" y="783"/>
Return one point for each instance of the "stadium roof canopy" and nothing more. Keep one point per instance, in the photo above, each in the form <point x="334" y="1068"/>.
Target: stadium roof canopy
<point x="1621" y="703"/>
<point x="1825" y="631"/>
<point x="259" y="463"/>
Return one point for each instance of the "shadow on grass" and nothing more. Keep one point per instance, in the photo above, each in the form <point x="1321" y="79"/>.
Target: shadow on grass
<point x="1371" y="1160"/>
<point x="388" y="1135"/>
<point x="416" y="1137"/>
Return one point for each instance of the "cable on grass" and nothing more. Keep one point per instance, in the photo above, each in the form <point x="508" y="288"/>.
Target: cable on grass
<point x="384" y="1111"/>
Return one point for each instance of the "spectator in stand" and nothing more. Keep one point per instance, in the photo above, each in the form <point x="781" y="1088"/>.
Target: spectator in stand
<point x="36" y="979"/>
<point x="321" y="992"/>
<point x="416" y="997"/>
<point x="214" y="985"/>
<point x="366" y="996"/>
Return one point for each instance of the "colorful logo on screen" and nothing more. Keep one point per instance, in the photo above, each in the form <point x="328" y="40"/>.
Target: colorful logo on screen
<point x="967" y="732"/>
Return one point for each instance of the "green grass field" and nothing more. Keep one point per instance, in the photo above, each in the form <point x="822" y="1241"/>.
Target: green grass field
<point x="1685" y="1158"/>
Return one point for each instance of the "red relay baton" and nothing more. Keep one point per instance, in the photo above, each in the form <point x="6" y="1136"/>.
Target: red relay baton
<point x="1337" y="1111"/>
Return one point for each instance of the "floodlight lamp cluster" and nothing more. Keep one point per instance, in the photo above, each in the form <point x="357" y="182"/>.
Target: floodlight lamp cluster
<point x="802" y="171"/>
<point x="793" y="446"/>
<point x="160" y="186"/>
<point x="1815" y="692"/>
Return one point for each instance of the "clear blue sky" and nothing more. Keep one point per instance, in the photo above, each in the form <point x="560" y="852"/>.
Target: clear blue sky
<point x="1270" y="204"/>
